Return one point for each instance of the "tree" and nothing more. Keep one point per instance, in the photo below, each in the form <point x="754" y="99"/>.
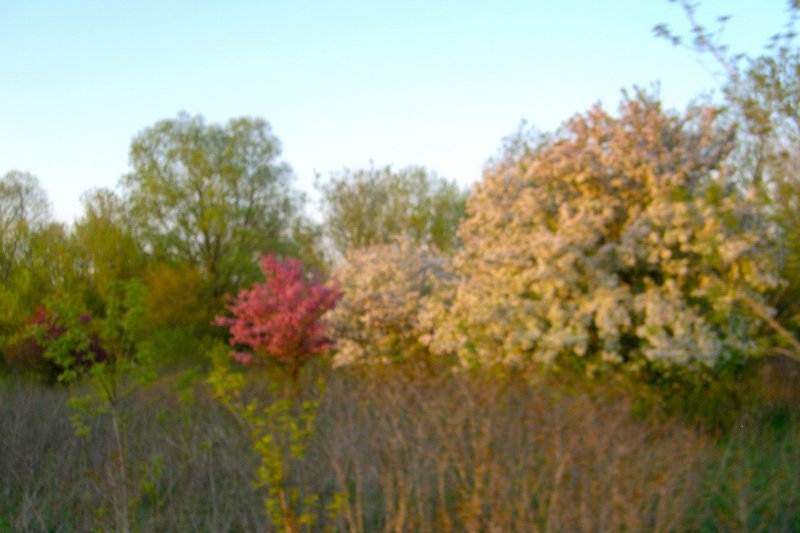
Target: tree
<point x="24" y="209"/>
<point x="385" y="291"/>
<point x="375" y="205"/>
<point x="36" y="255"/>
<point x="106" y="248"/>
<point x="212" y="196"/>
<point x="114" y="369"/>
<point x="762" y="100"/>
<point x="280" y="320"/>
<point x="615" y="243"/>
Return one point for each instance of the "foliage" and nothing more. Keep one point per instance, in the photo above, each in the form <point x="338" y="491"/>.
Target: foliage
<point x="386" y="289"/>
<point x="280" y="320"/>
<point x="178" y="314"/>
<point x="307" y="240"/>
<point x="23" y="210"/>
<point x="106" y="249"/>
<point x="28" y="352"/>
<point x="176" y="296"/>
<point x="615" y="243"/>
<point x="376" y="205"/>
<point x="111" y="379"/>
<point x="772" y="86"/>
<point x="761" y="96"/>
<point x="49" y="268"/>
<point x="24" y="217"/>
<point x="23" y="355"/>
<point x="279" y="431"/>
<point x="211" y="196"/>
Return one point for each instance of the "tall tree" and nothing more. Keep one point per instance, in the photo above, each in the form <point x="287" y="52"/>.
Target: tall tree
<point x="28" y="242"/>
<point x="214" y="196"/>
<point x="374" y="206"/>
<point x="105" y="245"/>
<point x="763" y="100"/>
<point x="24" y="209"/>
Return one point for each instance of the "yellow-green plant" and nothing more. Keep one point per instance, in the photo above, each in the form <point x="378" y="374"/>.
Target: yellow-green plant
<point x="102" y="359"/>
<point x="368" y="207"/>
<point x="279" y="429"/>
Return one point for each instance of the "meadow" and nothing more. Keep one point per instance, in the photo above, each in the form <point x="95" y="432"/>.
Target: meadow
<point x="404" y="450"/>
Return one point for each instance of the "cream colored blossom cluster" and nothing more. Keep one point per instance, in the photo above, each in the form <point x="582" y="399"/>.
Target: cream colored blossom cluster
<point x="384" y="288"/>
<point x="616" y="242"/>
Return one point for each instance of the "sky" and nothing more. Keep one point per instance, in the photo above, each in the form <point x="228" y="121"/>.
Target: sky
<point x="342" y="83"/>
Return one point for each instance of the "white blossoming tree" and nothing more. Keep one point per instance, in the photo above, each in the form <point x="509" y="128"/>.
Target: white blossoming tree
<point x="385" y="290"/>
<point x="615" y="242"/>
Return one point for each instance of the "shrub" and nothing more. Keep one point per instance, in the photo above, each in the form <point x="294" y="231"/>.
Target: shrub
<point x="386" y="289"/>
<point x="175" y="296"/>
<point x="24" y="355"/>
<point x="616" y="243"/>
<point x="27" y="352"/>
<point x="280" y="320"/>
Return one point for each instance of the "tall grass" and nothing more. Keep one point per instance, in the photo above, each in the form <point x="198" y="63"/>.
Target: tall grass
<point x="405" y="452"/>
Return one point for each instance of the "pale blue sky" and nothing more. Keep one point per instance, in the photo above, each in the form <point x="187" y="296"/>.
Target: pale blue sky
<point x="342" y="83"/>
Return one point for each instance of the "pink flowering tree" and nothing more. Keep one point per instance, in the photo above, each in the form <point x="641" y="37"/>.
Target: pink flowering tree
<point x="280" y="320"/>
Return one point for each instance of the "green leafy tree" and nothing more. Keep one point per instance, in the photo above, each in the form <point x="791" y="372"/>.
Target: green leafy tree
<point x="106" y="248"/>
<point x="213" y="196"/>
<point x="37" y="256"/>
<point x="51" y="261"/>
<point x="24" y="209"/>
<point x="24" y="216"/>
<point x="376" y="205"/>
<point x="110" y="379"/>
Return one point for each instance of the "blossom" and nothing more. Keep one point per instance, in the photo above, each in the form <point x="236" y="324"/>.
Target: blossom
<point x="281" y="318"/>
<point x="612" y="242"/>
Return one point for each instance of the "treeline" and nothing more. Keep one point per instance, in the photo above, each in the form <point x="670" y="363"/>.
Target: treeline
<point x="658" y="243"/>
<point x="201" y="204"/>
<point x="649" y="241"/>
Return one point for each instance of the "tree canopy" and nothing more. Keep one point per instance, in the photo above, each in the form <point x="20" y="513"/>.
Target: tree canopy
<point x="210" y="195"/>
<point x="24" y="209"/>
<point x="374" y="206"/>
<point x="761" y="97"/>
<point x="616" y="242"/>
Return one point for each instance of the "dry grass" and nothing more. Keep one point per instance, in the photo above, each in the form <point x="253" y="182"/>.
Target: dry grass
<point x="461" y="453"/>
<point x="432" y="452"/>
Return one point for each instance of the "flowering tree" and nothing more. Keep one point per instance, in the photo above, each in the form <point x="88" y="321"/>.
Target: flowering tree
<point x="387" y="291"/>
<point x="615" y="242"/>
<point x="281" y="319"/>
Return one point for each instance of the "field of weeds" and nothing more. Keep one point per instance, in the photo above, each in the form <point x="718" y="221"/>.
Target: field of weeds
<point x="397" y="451"/>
